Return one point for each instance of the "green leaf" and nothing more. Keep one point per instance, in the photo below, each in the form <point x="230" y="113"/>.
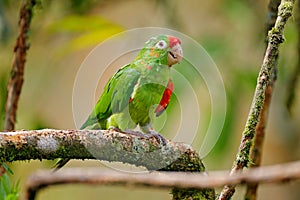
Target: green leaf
<point x="78" y="23"/>
<point x="89" y="39"/>
<point x="2" y="192"/>
<point x="85" y="31"/>
<point x="8" y="192"/>
<point x="16" y="188"/>
<point x="6" y="167"/>
<point x="5" y="183"/>
<point x="12" y="196"/>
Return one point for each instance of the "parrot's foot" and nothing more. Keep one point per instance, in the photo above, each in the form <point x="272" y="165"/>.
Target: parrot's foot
<point x="131" y="132"/>
<point x="158" y="136"/>
<point x="115" y="129"/>
<point x="127" y="131"/>
<point x="151" y="133"/>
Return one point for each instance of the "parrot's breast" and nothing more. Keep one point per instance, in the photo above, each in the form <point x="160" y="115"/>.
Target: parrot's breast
<point x="150" y="96"/>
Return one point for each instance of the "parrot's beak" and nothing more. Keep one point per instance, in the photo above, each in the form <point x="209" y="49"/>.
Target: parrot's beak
<point x="175" y="55"/>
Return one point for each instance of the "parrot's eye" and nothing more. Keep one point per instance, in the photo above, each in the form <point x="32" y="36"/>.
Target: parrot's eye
<point x="161" y="44"/>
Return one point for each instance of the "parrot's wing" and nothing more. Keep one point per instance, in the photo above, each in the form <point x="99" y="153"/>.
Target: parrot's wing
<point x="114" y="98"/>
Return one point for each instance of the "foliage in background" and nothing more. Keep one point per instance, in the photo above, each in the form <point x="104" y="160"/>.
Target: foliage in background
<point x="3" y="83"/>
<point x="88" y="31"/>
<point x="7" y="190"/>
<point x="234" y="42"/>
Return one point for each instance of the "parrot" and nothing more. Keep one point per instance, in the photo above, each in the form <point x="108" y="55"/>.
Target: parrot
<point x="138" y="92"/>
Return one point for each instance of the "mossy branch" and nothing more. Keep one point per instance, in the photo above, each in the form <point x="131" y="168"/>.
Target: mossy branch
<point x="275" y="38"/>
<point x="257" y="148"/>
<point x="104" y="145"/>
<point x="16" y="78"/>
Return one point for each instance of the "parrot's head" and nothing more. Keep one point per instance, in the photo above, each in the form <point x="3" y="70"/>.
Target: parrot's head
<point x="164" y="49"/>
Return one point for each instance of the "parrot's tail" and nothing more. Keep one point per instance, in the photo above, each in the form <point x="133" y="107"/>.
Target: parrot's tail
<point x="60" y="163"/>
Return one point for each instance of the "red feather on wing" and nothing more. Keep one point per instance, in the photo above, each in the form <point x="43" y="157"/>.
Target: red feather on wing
<point x="164" y="102"/>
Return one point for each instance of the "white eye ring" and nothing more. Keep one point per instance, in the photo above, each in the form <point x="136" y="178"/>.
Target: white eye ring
<point x="161" y="44"/>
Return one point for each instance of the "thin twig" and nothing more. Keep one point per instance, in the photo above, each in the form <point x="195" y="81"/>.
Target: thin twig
<point x="275" y="37"/>
<point x="257" y="149"/>
<point x="16" y="79"/>
<point x="294" y="77"/>
<point x="163" y="180"/>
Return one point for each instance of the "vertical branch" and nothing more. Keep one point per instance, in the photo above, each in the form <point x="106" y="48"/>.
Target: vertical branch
<point x="16" y="78"/>
<point x="291" y="87"/>
<point x="275" y="37"/>
<point x="257" y="149"/>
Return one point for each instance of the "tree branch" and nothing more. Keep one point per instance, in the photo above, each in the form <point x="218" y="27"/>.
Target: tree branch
<point x="257" y="148"/>
<point x="275" y="37"/>
<point x="97" y="144"/>
<point x="270" y="174"/>
<point x="16" y="79"/>
<point x="104" y="145"/>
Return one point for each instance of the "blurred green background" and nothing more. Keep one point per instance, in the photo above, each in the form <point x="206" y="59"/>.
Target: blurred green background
<point x="232" y="32"/>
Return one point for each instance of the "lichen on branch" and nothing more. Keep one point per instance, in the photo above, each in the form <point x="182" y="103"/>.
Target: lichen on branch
<point x="95" y="144"/>
<point x="104" y="145"/>
<point x="275" y="38"/>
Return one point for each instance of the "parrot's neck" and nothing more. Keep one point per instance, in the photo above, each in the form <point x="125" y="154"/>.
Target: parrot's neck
<point x="151" y="56"/>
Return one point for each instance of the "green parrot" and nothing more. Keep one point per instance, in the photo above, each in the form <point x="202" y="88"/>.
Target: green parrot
<point x="137" y="92"/>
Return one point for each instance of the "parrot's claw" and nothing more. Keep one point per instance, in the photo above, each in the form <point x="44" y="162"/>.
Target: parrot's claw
<point x="131" y="132"/>
<point x="114" y="129"/>
<point x="128" y="131"/>
<point x="158" y="136"/>
<point x="151" y="133"/>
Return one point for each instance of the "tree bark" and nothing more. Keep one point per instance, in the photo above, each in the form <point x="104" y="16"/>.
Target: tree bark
<point x="275" y="38"/>
<point x="16" y="78"/>
<point x="105" y="145"/>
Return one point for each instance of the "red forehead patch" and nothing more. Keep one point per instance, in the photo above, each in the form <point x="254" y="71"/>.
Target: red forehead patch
<point x="173" y="41"/>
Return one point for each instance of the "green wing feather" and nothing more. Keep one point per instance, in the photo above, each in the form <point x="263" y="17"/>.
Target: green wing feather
<point x="114" y="98"/>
